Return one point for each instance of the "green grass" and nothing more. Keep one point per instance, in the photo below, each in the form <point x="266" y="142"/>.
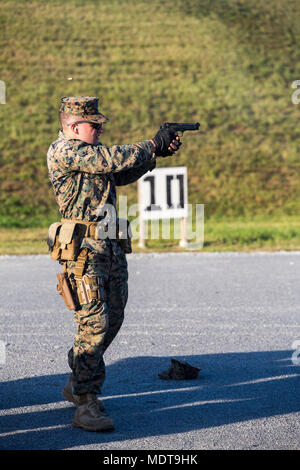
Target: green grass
<point x="255" y="235"/>
<point x="227" y="63"/>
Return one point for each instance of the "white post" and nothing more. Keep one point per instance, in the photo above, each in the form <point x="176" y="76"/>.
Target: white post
<point x="183" y="242"/>
<point x="141" y="243"/>
<point x="2" y="92"/>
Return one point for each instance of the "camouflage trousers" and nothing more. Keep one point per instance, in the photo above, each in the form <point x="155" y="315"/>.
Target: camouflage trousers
<point x="98" y="321"/>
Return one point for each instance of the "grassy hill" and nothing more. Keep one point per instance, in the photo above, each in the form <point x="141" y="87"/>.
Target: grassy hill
<point x="229" y="64"/>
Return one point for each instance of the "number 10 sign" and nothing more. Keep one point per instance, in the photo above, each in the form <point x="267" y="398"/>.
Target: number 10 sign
<point x="163" y="195"/>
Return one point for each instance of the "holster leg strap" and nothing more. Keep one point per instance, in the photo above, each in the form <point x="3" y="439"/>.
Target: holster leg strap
<point x="80" y="263"/>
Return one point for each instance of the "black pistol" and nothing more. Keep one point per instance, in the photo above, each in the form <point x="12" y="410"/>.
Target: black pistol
<point x="175" y="127"/>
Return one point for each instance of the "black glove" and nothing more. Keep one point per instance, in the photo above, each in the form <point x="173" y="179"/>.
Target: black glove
<point x="162" y="140"/>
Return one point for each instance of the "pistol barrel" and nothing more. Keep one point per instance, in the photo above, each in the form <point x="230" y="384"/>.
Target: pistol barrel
<point x="181" y="126"/>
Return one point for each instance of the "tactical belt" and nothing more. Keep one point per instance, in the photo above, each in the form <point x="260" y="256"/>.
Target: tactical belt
<point x="87" y="228"/>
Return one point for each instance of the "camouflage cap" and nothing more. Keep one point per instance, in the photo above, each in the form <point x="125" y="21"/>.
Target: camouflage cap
<point x="84" y="106"/>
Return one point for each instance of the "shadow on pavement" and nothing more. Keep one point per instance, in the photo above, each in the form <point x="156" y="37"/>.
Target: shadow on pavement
<point x="231" y="388"/>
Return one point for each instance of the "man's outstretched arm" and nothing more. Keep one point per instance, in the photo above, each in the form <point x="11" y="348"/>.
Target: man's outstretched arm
<point x="130" y="176"/>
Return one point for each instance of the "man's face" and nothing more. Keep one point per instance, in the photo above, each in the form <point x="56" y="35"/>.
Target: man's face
<point x="86" y="132"/>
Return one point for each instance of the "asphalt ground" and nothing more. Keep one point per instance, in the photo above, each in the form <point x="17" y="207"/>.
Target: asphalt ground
<point x="235" y="316"/>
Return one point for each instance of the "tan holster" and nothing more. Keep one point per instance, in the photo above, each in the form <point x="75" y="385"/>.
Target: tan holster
<point x="63" y="288"/>
<point x="89" y="288"/>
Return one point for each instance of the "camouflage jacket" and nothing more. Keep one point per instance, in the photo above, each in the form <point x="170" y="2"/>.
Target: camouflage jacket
<point x="85" y="176"/>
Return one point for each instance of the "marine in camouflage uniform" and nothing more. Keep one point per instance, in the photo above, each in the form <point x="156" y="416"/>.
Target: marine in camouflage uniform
<point x="84" y="178"/>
